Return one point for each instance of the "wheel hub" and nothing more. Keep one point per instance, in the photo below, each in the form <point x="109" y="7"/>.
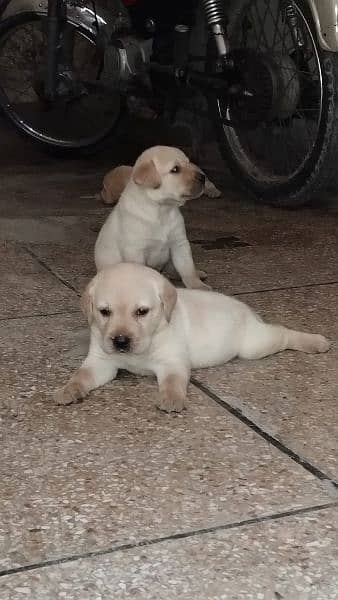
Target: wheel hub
<point x="286" y="85"/>
<point x="269" y="87"/>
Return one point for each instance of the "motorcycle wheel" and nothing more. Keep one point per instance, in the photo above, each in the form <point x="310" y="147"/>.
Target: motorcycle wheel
<point x="72" y="123"/>
<point x="282" y="141"/>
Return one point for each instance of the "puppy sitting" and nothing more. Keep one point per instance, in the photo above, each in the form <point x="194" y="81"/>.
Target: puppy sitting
<point x="142" y="323"/>
<point x="146" y="226"/>
<point x="116" y="180"/>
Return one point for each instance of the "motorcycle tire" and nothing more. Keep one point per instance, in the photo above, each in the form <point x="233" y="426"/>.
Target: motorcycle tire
<point x="81" y="126"/>
<point x="310" y="109"/>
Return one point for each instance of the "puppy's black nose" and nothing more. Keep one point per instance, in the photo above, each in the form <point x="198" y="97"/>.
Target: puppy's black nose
<point x="121" y="343"/>
<point x="201" y="177"/>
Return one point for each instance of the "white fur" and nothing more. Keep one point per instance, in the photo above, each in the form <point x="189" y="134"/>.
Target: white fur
<point x="184" y="330"/>
<point x="146" y="226"/>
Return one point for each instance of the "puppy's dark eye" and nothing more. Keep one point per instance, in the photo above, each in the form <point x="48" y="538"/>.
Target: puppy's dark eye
<point x="175" y="169"/>
<point x="141" y="312"/>
<point x="105" y="312"/>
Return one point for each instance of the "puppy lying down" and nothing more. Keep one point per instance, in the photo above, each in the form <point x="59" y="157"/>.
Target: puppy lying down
<point x="146" y="225"/>
<point x="141" y="323"/>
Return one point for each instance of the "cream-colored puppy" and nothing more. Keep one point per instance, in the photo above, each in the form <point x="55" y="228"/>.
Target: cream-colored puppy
<point x="146" y="226"/>
<point x="116" y="180"/>
<point x="140" y="322"/>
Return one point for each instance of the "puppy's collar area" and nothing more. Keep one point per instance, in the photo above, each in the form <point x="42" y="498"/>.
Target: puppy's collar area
<point x="156" y="202"/>
<point x="150" y="209"/>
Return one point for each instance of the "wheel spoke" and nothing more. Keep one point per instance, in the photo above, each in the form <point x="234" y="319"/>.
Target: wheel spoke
<point x="253" y="24"/>
<point x="309" y="137"/>
<point x="281" y="143"/>
<point x="261" y="23"/>
<point x="72" y="120"/>
<point x="276" y="22"/>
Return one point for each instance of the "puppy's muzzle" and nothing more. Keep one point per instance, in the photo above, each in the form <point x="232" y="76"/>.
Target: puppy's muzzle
<point x="121" y="343"/>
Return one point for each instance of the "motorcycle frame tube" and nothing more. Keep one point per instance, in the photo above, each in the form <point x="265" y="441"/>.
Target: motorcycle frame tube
<point x="324" y="12"/>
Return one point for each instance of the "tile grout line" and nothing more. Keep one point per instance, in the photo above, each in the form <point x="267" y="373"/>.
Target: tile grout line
<point x="55" y="314"/>
<point x="284" y="289"/>
<point x="236" y="412"/>
<point x="168" y="538"/>
<point x="247" y="292"/>
<point x="47" y="268"/>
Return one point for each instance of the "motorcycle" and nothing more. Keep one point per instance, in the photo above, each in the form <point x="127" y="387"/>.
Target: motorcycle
<point x="264" y="71"/>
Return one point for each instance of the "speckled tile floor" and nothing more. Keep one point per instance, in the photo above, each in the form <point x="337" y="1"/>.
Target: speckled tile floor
<point x="235" y="499"/>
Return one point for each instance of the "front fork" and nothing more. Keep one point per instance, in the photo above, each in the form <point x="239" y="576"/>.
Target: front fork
<point x="55" y="17"/>
<point x="60" y="46"/>
<point x="216" y="22"/>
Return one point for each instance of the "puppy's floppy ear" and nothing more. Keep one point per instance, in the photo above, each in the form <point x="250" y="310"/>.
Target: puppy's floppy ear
<point x="146" y="174"/>
<point x="86" y="302"/>
<point x="168" y="298"/>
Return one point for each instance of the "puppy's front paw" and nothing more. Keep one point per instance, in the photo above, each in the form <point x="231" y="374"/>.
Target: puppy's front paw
<point x="70" y="393"/>
<point x="171" y="402"/>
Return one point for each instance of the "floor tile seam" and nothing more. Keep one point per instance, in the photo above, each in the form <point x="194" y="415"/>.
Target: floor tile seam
<point x="170" y="538"/>
<point x="47" y="268"/>
<point x="66" y="283"/>
<point x="40" y="315"/>
<point x="56" y="214"/>
<point x="49" y="176"/>
<point x="304" y="462"/>
<point x="285" y="288"/>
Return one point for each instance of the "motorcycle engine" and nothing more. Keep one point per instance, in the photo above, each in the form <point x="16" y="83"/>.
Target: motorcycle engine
<point x="125" y="59"/>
